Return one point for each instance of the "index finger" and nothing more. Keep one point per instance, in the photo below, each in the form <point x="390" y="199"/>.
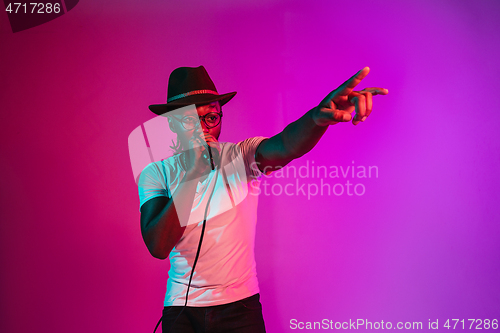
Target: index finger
<point x="347" y="87"/>
<point x="376" y="91"/>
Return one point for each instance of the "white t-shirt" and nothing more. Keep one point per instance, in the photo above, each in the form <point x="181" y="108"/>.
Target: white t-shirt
<point x="225" y="271"/>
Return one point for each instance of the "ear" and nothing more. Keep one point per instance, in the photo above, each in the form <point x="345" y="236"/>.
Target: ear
<point x="171" y="124"/>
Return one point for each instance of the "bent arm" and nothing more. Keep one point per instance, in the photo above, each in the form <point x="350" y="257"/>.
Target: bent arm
<point x="295" y="140"/>
<point x="163" y="223"/>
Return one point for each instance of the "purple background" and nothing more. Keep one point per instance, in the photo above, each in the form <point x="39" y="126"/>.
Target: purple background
<point x="421" y="243"/>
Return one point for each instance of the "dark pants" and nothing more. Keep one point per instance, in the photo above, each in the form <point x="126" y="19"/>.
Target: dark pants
<point x="241" y="316"/>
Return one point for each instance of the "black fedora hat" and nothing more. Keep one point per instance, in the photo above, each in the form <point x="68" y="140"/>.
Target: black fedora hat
<point x="190" y="85"/>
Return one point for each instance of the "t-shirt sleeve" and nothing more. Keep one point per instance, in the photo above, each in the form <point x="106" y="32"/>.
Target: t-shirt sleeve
<point x="248" y="149"/>
<point x="153" y="182"/>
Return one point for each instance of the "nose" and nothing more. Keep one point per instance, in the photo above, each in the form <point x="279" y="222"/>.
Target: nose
<point x="200" y="130"/>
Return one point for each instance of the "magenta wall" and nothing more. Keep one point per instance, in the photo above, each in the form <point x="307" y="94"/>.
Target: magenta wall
<point x="421" y="243"/>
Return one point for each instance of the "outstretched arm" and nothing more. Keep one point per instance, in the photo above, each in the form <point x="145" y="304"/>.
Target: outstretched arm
<point x="303" y="134"/>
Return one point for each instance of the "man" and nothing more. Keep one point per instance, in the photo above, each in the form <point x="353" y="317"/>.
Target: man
<point x="205" y="190"/>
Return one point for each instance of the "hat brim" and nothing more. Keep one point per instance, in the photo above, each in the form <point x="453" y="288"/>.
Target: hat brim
<point x="201" y="99"/>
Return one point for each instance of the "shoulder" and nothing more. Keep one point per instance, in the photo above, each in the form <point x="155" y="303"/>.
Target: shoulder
<point x="157" y="171"/>
<point x="249" y="146"/>
<point x="152" y="169"/>
<point x="163" y="166"/>
<point x="248" y="149"/>
<point x="245" y="148"/>
<point x="252" y="142"/>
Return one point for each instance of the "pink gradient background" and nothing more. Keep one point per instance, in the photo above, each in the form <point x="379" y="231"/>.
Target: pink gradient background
<point x="422" y="242"/>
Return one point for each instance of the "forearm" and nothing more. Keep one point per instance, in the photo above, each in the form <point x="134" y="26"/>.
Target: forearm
<point x="295" y="140"/>
<point x="301" y="136"/>
<point x="163" y="232"/>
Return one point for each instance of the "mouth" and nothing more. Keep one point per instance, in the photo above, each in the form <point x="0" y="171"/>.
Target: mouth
<point x="212" y="142"/>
